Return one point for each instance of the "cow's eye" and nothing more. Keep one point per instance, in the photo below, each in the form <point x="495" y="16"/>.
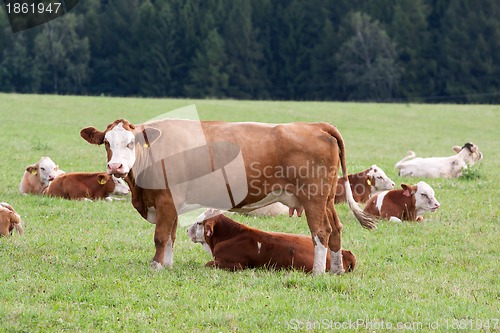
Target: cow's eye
<point x="43" y="169"/>
<point x="131" y="145"/>
<point x="424" y="195"/>
<point x="379" y="177"/>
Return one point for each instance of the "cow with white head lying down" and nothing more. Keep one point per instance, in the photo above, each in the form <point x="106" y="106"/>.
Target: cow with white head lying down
<point x="408" y="203"/>
<point x="235" y="246"/>
<point x="10" y="220"/>
<point x="37" y="176"/>
<point x="440" y="167"/>
<point x="271" y="154"/>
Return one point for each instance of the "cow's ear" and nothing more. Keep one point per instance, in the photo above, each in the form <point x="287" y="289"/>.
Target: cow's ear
<point x="407" y="190"/>
<point x="102" y="179"/>
<point x="209" y="228"/>
<point x="33" y="169"/>
<point x="457" y="149"/>
<point x="370" y="181"/>
<point x="147" y="136"/>
<point x="92" y="135"/>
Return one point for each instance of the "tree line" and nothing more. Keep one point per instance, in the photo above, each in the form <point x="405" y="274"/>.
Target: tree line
<point x="385" y="50"/>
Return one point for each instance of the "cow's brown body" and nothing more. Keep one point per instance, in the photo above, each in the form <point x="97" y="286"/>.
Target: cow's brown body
<point x="81" y="185"/>
<point x="9" y="220"/>
<point x="395" y="204"/>
<point x="273" y="146"/>
<point x="236" y="246"/>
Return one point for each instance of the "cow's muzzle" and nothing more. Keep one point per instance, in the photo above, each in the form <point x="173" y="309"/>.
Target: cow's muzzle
<point x="116" y="169"/>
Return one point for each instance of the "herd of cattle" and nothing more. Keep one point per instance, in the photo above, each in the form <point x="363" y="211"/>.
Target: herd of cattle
<point x="280" y="147"/>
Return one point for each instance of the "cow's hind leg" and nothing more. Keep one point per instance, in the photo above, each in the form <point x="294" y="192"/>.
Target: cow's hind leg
<point x="320" y="232"/>
<point x="335" y="240"/>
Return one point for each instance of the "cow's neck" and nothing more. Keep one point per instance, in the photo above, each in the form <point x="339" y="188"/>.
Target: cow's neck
<point x="410" y="207"/>
<point x="136" y="193"/>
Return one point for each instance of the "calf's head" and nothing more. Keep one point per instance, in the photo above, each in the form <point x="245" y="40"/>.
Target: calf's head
<point x="425" y="199"/>
<point x="45" y="169"/>
<point x="379" y="180"/>
<point x="204" y="225"/>
<point x="120" y="139"/>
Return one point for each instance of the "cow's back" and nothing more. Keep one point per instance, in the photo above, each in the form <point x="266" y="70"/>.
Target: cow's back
<point x="294" y="153"/>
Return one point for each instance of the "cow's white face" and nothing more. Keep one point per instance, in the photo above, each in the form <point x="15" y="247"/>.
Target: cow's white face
<point x="47" y="170"/>
<point x="382" y="182"/>
<point x="121" y="187"/>
<point x="120" y="144"/>
<point x="196" y="232"/>
<point x="425" y="199"/>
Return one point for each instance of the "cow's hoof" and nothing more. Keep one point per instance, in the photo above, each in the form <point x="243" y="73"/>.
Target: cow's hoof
<point x="337" y="271"/>
<point x="156" y="265"/>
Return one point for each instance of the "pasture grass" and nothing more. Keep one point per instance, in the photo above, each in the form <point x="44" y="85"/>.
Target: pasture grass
<point x="84" y="267"/>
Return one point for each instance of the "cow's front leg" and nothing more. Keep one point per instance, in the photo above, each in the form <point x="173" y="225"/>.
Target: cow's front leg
<point x="165" y="232"/>
<point x="335" y="241"/>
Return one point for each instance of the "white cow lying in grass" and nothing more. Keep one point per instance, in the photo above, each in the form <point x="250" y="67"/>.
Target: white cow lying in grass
<point x="436" y="167"/>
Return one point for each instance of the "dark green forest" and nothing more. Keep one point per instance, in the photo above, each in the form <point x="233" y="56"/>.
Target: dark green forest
<point x="387" y="50"/>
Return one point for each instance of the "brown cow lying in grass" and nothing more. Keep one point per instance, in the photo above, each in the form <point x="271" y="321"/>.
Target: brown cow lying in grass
<point x="86" y="185"/>
<point x="9" y="220"/>
<point x="235" y="246"/>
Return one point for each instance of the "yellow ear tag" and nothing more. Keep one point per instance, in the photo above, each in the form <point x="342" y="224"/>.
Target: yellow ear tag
<point x="146" y="145"/>
<point x="102" y="181"/>
<point x="34" y="172"/>
<point x="369" y="182"/>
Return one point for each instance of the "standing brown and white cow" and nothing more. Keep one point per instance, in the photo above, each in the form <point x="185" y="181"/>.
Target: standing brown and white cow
<point x="296" y="164"/>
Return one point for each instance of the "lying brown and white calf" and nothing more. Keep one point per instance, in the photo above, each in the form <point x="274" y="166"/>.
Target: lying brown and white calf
<point x="364" y="184"/>
<point x="236" y="246"/>
<point x="37" y="176"/>
<point x="86" y="185"/>
<point x="409" y="203"/>
<point x="9" y="220"/>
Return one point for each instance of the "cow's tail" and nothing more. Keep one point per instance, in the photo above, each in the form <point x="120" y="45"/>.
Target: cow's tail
<point x="366" y="220"/>
<point x="409" y="156"/>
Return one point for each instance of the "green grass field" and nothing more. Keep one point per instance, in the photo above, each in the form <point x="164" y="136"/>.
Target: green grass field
<point x="84" y="267"/>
